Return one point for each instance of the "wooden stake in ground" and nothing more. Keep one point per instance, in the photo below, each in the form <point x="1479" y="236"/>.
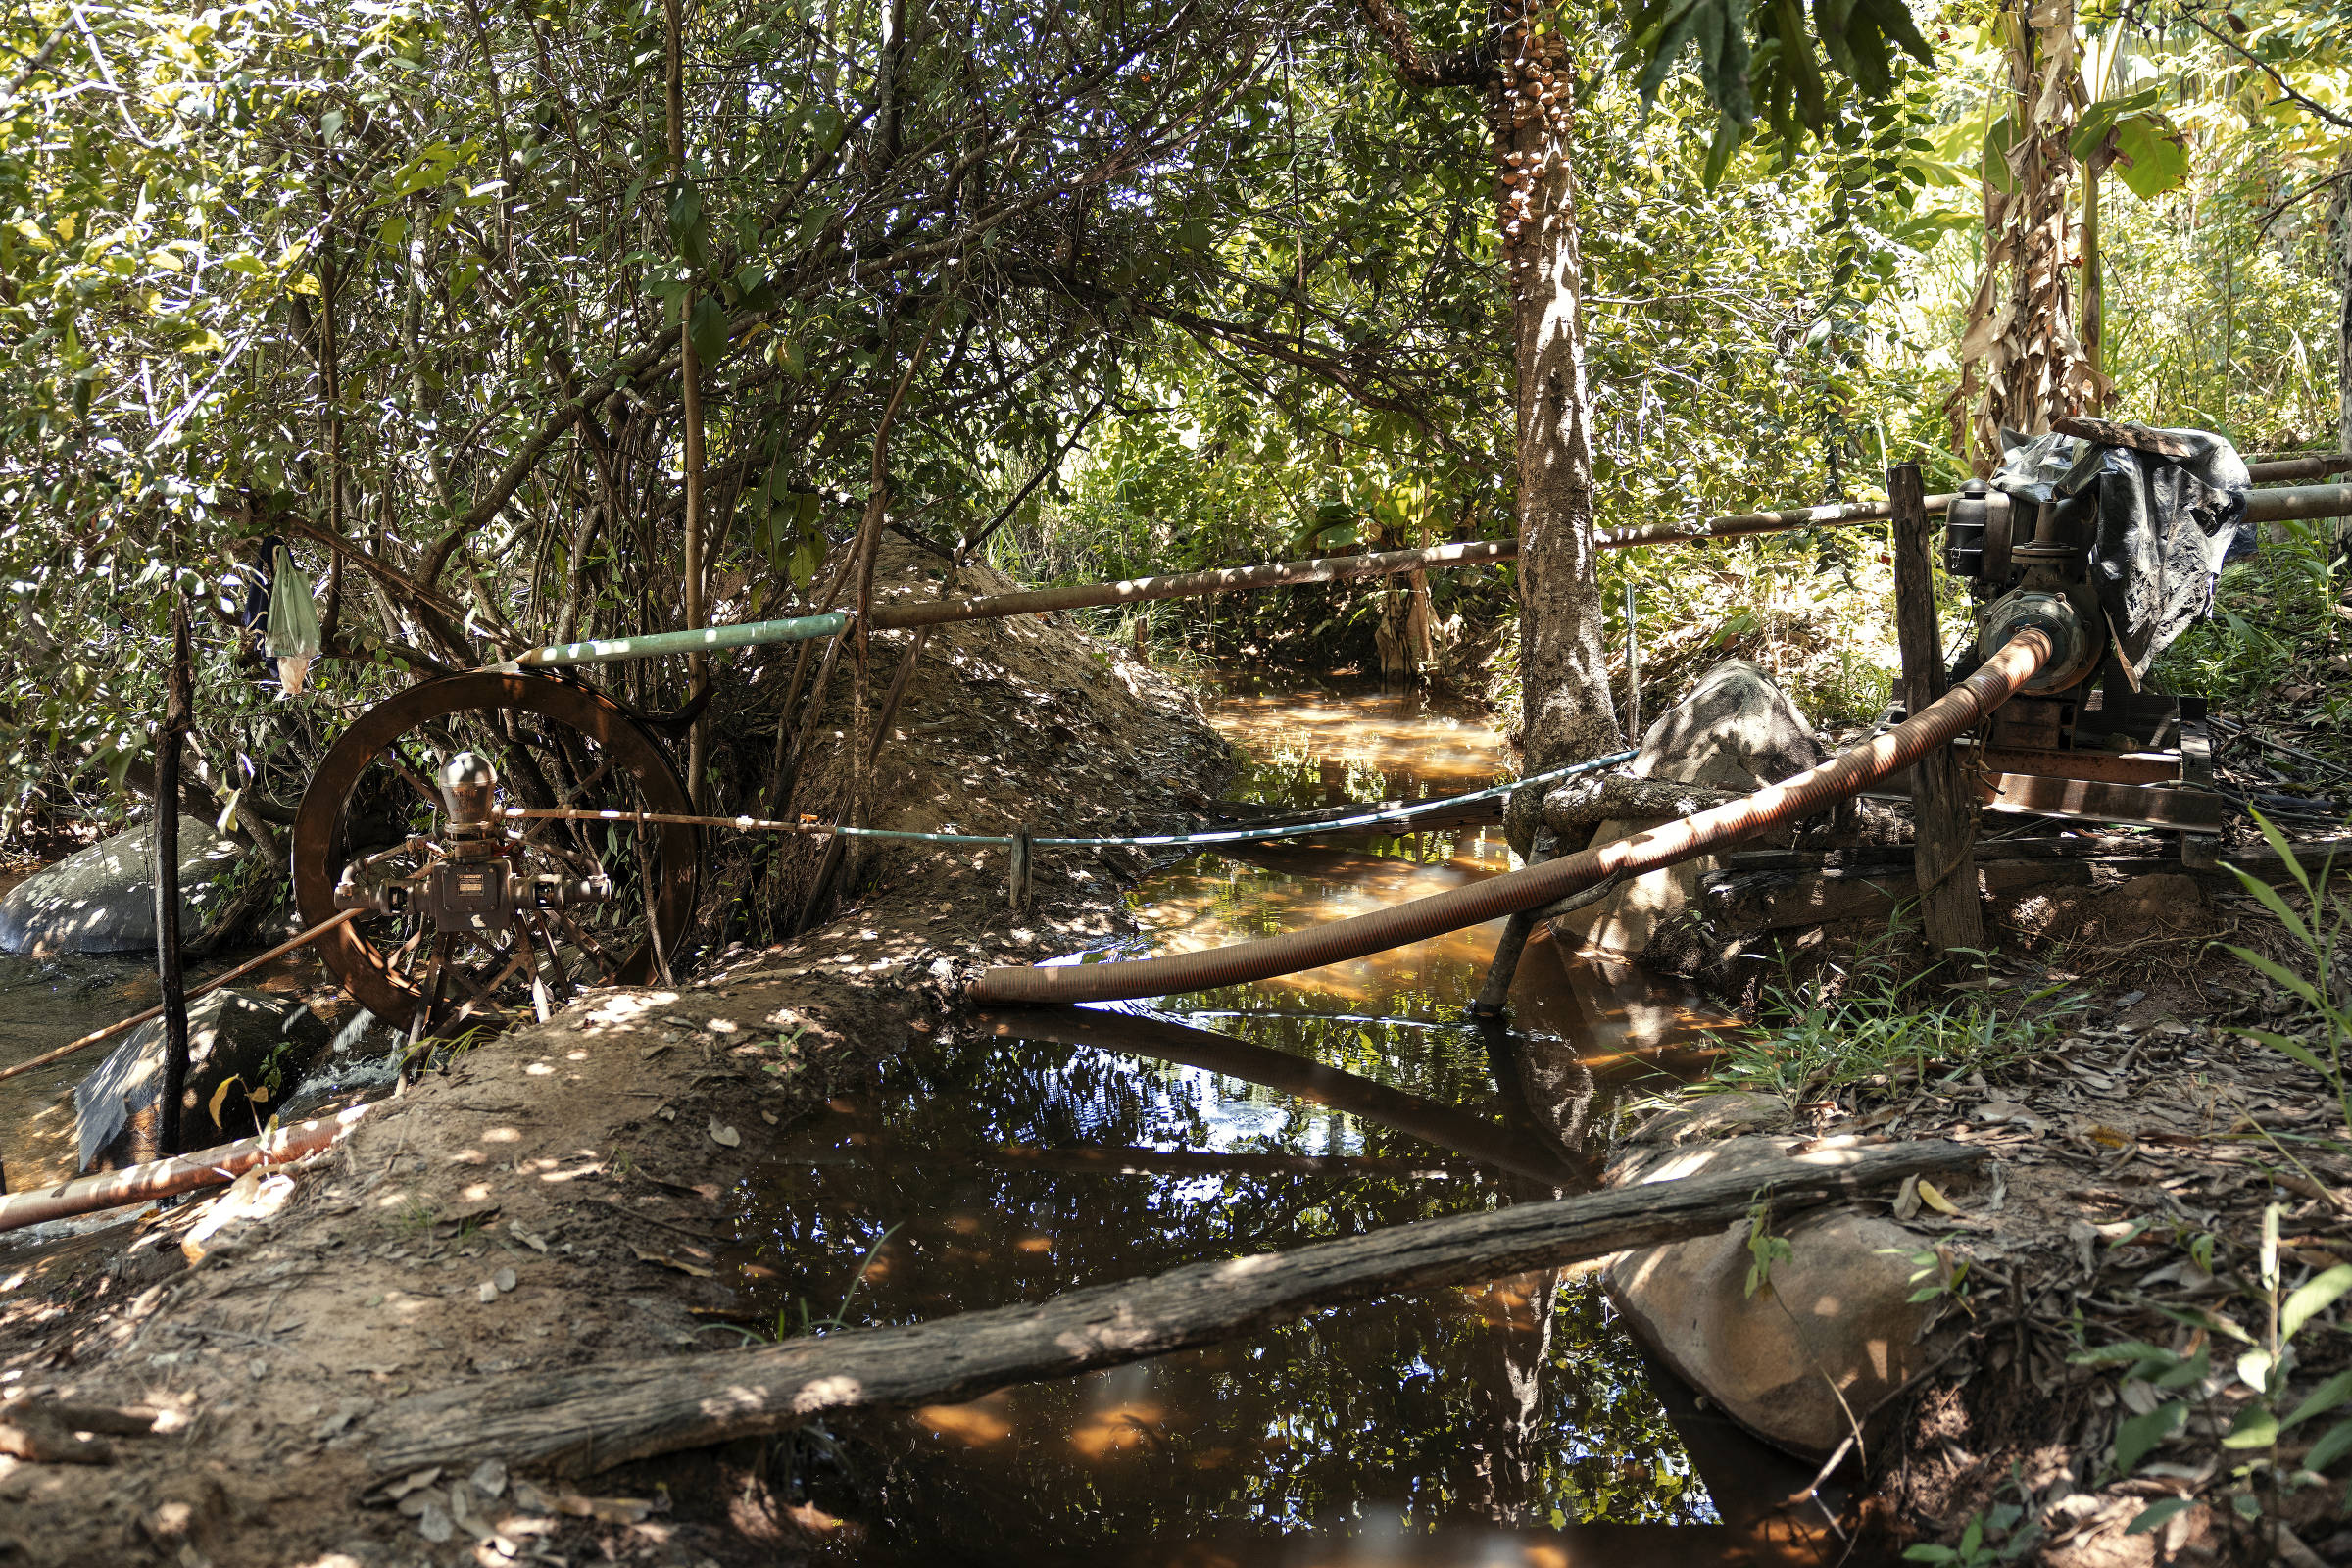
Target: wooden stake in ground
<point x="690" y="404"/>
<point x="179" y="693"/>
<point x="580" y="1420"/>
<point x="1943" y="796"/>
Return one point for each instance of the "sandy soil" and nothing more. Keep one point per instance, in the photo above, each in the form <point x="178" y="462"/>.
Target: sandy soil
<point x="557" y="1196"/>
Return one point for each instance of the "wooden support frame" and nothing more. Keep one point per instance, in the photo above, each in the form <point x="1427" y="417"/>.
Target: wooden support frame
<point x="2091" y="801"/>
<point x="1943" y="804"/>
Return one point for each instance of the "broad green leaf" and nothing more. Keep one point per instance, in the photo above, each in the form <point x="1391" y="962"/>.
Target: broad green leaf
<point x="2256" y="1427"/>
<point x="2313" y="1296"/>
<point x="689" y="227"/>
<point x="709" y="329"/>
<point x="2153" y="155"/>
<point x="2135" y="1436"/>
<point x="2337" y="1391"/>
<point x="2156" y="1514"/>
<point x="2333" y="1446"/>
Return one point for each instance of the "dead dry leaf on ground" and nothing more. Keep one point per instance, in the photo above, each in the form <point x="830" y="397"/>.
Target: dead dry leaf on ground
<point x="664" y="1260"/>
<point x="723" y="1135"/>
<point x="410" y="1482"/>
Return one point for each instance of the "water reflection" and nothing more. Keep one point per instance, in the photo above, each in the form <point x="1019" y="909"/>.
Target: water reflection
<point x="998" y="1172"/>
<point x="1057" y="1149"/>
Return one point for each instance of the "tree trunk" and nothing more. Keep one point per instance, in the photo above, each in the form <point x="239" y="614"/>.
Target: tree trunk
<point x="579" y="1420"/>
<point x="179" y="692"/>
<point x="690" y="409"/>
<point x="2021" y="363"/>
<point x="1563" y="666"/>
<point x="2339" y="230"/>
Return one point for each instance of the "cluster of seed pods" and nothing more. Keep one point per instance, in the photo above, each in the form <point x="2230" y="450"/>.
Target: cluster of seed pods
<point x="1534" y="92"/>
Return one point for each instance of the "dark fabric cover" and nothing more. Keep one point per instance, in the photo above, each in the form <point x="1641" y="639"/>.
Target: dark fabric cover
<point x="2163" y="526"/>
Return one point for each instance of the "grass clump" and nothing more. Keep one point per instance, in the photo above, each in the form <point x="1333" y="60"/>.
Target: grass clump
<point x="2326" y="936"/>
<point x="1878" y="1029"/>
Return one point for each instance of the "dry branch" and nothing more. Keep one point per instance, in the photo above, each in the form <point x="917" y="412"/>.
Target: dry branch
<point x="580" y="1420"/>
<point x="1598" y="798"/>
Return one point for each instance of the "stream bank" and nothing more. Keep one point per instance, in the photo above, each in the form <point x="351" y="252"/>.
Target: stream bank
<point x="808" y="1135"/>
<point x="542" y="1198"/>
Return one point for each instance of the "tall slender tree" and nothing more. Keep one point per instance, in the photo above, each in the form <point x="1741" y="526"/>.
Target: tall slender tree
<point x="2339" y="235"/>
<point x="2023" y="363"/>
<point x="1529" y="99"/>
<point x="1755" y="64"/>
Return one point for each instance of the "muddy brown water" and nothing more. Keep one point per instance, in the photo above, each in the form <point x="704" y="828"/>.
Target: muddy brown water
<point x="46" y="1002"/>
<point x="1515" y="1423"/>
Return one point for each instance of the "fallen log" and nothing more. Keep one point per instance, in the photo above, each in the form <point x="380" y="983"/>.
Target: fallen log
<point x="578" y="1420"/>
<point x="206" y="1167"/>
<point x="1586" y="803"/>
<point x="1756" y="901"/>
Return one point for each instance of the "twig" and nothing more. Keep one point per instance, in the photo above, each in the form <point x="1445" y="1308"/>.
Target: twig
<point x="2340" y="121"/>
<point x="2272" y="211"/>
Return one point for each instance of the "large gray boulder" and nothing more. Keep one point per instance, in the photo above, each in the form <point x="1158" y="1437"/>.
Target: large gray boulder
<point x="102" y="899"/>
<point x="265" y="1042"/>
<point x="1832" y="1329"/>
<point x="1735" y="731"/>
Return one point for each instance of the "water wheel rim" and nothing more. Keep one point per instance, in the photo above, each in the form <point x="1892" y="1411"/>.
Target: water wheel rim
<point x="319" y="846"/>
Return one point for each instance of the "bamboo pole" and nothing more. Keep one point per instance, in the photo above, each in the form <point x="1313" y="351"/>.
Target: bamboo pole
<point x="207" y="1167"/>
<point x="2263" y="506"/>
<point x="157" y="1011"/>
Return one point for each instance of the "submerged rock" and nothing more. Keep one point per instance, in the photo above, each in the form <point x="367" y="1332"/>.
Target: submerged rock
<point x="102" y="899"/>
<point x="1832" y="1329"/>
<point x="1735" y="731"/>
<point x="265" y="1042"/>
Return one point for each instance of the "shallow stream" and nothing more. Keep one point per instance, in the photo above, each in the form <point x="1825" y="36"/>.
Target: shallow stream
<point x="1512" y="1423"/>
<point x="1515" y="1423"/>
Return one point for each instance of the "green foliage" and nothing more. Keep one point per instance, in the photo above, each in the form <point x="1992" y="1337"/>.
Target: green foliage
<point x="1764" y="1248"/>
<point x="2170" y="1384"/>
<point x="1880" y="1030"/>
<point x="1773" y="60"/>
<point x="2320" y="929"/>
<point x="338" y="269"/>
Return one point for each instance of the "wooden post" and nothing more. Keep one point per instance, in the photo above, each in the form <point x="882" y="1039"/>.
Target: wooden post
<point x="178" y="700"/>
<point x="1943" y="800"/>
<point x="690" y="404"/>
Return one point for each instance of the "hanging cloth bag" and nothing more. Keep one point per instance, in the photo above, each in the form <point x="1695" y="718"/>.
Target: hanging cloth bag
<point x="293" y="636"/>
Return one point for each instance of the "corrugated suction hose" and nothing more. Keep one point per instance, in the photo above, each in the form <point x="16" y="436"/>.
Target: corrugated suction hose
<point x="1849" y="772"/>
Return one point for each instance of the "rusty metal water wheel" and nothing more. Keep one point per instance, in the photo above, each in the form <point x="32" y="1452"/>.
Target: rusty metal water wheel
<point x="374" y="818"/>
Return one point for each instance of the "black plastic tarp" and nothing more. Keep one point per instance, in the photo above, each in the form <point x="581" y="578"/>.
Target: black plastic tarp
<point x="2164" y="527"/>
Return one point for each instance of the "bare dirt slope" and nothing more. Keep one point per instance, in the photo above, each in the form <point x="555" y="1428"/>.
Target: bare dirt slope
<point x="562" y="1194"/>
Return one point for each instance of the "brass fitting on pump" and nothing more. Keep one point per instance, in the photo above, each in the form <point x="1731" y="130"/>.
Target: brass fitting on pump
<point x="469" y="800"/>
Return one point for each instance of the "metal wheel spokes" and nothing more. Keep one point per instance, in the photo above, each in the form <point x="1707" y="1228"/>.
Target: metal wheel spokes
<point x="489" y="921"/>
